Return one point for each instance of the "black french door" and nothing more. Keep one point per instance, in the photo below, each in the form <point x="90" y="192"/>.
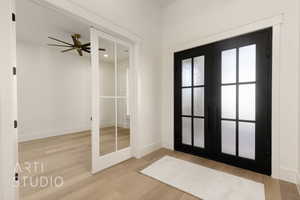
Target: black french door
<point x="222" y="101"/>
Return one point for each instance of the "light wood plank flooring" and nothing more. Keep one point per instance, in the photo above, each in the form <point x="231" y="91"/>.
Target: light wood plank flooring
<point x="70" y="157"/>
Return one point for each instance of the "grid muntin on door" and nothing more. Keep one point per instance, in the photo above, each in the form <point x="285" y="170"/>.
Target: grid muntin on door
<point x="238" y="84"/>
<point x="192" y="95"/>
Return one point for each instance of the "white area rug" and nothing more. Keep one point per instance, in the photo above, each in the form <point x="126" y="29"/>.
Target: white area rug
<point x="202" y="182"/>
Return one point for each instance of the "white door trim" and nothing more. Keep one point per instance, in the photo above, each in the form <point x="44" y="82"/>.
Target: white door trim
<point x="276" y="23"/>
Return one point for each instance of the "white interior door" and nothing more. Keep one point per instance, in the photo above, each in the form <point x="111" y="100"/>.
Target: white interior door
<point x="110" y="110"/>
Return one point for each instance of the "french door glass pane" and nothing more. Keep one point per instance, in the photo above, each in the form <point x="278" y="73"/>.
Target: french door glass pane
<point x="228" y="137"/>
<point x="199" y="70"/>
<point x="229" y="102"/>
<point x="247" y="63"/>
<point x="247" y="102"/>
<point x="122" y="70"/>
<point x="199" y="101"/>
<point x="123" y="131"/>
<point x="187" y="101"/>
<point x="107" y="68"/>
<point x="107" y="126"/>
<point x="199" y="132"/>
<point x="187" y="72"/>
<point x="247" y="140"/>
<point x="187" y="130"/>
<point x="229" y="66"/>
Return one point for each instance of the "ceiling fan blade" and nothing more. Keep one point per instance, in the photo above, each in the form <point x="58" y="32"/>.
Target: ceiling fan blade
<point x="100" y="49"/>
<point x="80" y="52"/>
<point x="86" y="50"/>
<point x="57" y="45"/>
<point x="68" y="49"/>
<point x="60" y="41"/>
<point x="87" y="44"/>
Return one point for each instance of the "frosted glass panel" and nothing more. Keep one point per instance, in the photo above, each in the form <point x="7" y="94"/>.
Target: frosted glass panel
<point x="229" y="66"/>
<point x="187" y="130"/>
<point x="199" y="101"/>
<point x="247" y="140"/>
<point x="199" y="70"/>
<point x="187" y="72"/>
<point x="247" y="102"/>
<point x="228" y="137"/>
<point x="247" y="63"/>
<point x="199" y="132"/>
<point x="229" y="102"/>
<point x="187" y="101"/>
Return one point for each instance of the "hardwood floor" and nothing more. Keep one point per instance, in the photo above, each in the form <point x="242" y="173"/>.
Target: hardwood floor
<point x="69" y="157"/>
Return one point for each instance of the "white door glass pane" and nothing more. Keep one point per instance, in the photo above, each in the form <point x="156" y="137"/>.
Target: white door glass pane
<point x="247" y="140"/>
<point x="199" y="70"/>
<point x="247" y="102"/>
<point x="187" y="130"/>
<point x="229" y="66"/>
<point x="187" y="72"/>
<point x="199" y="101"/>
<point x="123" y="131"/>
<point x="228" y="137"/>
<point x="107" y="67"/>
<point x="187" y="101"/>
<point x="229" y="102"/>
<point x="122" y="69"/>
<point x="107" y="126"/>
<point x="199" y="132"/>
<point x="247" y="63"/>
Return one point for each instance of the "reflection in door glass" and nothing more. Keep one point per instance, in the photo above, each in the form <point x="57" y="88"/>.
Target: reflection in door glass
<point x="107" y="126"/>
<point x="199" y="101"/>
<point x="229" y="66"/>
<point x="187" y="101"/>
<point x="228" y="102"/>
<point x="247" y="102"/>
<point x="186" y="130"/>
<point x="228" y="137"/>
<point x="187" y="72"/>
<point x="123" y="114"/>
<point x="199" y="70"/>
<point x="199" y="132"/>
<point x="247" y="63"/>
<point x="247" y="140"/>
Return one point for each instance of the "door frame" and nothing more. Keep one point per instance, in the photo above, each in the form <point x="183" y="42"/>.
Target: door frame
<point x="102" y="162"/>
<point x="213" y="98"/>
<point x="276" y="23"/>
<point x="9" y="134"/>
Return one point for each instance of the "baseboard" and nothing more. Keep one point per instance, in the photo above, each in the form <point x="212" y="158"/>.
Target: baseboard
<point x="288" y="175"/>
<point x="298" y="182"/>
<point x="149" y="149"/>
<point x="24" y="137"/>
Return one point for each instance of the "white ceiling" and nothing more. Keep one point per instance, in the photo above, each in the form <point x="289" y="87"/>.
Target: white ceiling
<point x="164" y="3"/>
<point x="35" y="23"/>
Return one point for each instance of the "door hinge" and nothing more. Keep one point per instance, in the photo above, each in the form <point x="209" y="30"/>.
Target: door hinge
<point x="91" y="118"/>
<point x="15" y="124"/>
<point x="13" y="17"/>
<point x="14" y="71"/>
<point x="16" y="176"/>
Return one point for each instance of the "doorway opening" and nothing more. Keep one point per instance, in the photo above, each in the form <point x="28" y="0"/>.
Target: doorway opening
<point x="223" y="101"/>
<point x="55" y="95"/>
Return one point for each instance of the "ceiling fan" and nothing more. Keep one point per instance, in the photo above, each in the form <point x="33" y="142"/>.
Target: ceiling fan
<point x="77" y="45"/>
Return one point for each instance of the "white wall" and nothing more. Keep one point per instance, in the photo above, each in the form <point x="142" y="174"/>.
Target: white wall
<point x="54" y="94"/>
<point x="53" y="91"/>
<point x="142" y="18"/>
<point x="189" y="20"/>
